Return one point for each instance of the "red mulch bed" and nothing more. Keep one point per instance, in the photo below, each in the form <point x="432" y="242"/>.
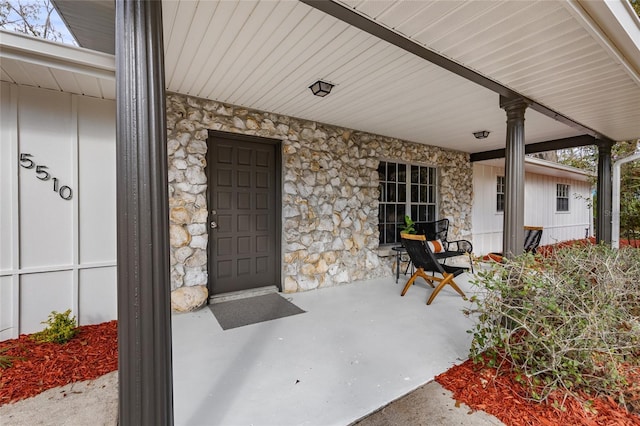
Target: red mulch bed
<point x="548" y="250"/>
<point x="92" y="353"/>
<point x="481" y="388"/>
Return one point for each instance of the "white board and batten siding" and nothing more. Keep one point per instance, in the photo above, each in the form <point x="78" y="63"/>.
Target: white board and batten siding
<point x="540" y="205"/>
<point x="58" y="238"/>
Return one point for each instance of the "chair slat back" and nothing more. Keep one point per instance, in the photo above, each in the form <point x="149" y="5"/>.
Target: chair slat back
<point x="437" y="230"/>
<point x="532" y="236"/>
<point x="420" y="253"/>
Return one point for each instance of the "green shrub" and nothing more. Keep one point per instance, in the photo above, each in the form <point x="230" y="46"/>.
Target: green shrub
<point x="61" y="328"/>
<point x="6" y="361"/>
<point x="567" y="321"/>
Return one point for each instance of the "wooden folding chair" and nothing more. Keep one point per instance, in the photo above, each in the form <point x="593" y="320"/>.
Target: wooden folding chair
<point x="532" y="237"/>
<point x="423" y="259"/>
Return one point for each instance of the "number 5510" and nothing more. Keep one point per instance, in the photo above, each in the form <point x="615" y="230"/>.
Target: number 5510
<point x="64" y="191"/>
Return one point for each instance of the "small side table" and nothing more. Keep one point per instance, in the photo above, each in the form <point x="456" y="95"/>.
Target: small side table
<point x="400" y="250"/>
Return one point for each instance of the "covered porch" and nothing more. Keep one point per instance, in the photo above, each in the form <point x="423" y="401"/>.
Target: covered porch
<point x="433" y="73"/>
<point x="355" y="349"/>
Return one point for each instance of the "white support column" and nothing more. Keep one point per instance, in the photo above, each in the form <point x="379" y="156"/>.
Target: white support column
<point x="615" y="216"/>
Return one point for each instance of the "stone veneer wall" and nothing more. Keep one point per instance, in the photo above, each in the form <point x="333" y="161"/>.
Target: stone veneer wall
<point x="330" y="192"/>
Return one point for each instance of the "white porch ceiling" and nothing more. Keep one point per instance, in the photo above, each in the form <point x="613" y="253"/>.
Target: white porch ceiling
<point x="553" y="52"/>
<point x="264" y="54"/>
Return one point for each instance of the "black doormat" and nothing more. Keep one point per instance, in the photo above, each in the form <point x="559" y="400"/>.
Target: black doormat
<point x="252" y="310"/>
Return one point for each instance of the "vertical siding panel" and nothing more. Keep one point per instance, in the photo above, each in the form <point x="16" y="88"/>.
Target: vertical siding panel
<point x="487" y="222"/>
<point x="540" y="209"/>
<point x="36" y="222"/>
<point x="46" y="219"/>
<point x="548" y="209"/>
<point x="45" y="130"/>
<point x="9" y="248"/>
<point x="75" y="143"/>
<point x="97" y="221"/>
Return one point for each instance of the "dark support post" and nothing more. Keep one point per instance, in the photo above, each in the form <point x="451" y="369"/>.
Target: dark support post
<point x="144" y="321"/>
<point x="513" y="226"/>
<point x="603" y="208"/>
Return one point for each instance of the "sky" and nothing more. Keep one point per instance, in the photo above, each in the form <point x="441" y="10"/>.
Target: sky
<point x="56" y="21"/>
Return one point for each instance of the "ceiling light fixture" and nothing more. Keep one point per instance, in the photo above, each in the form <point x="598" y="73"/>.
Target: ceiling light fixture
<point x="321" y="88"/>
<point x="482" y="134"/>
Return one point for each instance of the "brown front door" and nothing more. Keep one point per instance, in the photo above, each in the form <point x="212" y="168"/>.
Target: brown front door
<point x="244" y="212"/>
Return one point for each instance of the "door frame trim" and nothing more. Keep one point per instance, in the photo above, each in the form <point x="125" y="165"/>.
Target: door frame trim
<point x="277" y="144"/>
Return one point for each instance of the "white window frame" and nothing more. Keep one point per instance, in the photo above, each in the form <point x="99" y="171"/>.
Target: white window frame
<point x="430" y="213"/>
<point x="500" y="185"/>
<point x="562" y="193"/>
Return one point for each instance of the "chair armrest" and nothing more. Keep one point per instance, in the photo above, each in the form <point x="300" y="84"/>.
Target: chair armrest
<point x="460" y="246"/>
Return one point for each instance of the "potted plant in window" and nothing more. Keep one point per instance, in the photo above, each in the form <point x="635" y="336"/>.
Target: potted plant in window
<point x="401" y="255"/>
<point x="409" y="226"/>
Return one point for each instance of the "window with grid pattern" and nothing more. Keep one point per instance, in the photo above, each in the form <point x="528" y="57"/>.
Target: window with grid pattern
<point x="562" y="197"/>
<point x="405" y="189"/>
<point x="500" y="194"/>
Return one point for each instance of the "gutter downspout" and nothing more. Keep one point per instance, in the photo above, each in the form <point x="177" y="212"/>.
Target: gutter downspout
<point x="615" y="214"/>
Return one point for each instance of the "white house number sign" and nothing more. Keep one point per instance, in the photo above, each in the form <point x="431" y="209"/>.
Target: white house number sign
<point x="41" y="173"/>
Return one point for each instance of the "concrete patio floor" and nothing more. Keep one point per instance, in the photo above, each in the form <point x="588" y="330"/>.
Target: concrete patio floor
<point x="356" y="348"/>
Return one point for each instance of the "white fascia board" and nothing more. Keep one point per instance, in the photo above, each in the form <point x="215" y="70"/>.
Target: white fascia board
<point x="56" y="55"/>
<point x="579" y="174"/>
<point x="615" y="26"/>
<point x="620" y="22"/>
<point x="546" y="168"/>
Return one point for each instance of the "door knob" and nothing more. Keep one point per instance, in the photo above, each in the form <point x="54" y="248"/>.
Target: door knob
<point x="214" y="225"/>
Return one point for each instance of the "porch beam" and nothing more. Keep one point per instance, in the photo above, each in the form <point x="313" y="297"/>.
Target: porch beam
<point x="513" y="225"/>
<point x="144" y="321"/>
<point x="603" y="193"/>
<point x="355" y="19"/>
<point x="552" y="145"/>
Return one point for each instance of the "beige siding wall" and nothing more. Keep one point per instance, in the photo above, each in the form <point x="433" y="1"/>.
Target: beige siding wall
<point x="57" y="248"/>
<point x="540" y="209"/>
